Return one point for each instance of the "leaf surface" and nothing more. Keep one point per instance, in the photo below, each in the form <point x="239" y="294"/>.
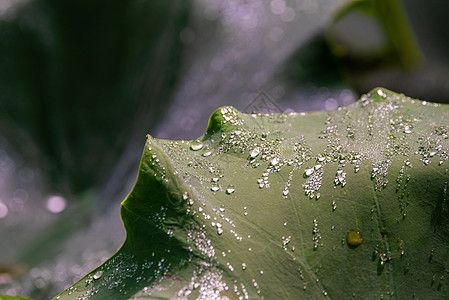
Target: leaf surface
<point x="260" y="207"/>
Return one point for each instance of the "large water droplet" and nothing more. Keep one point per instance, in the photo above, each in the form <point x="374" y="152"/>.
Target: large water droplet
<point x="254" y="152"/>
<point x="196" y="147"/>
<point x="98" y="274"/>
<point x="354" y="238"/>
<point x="208" y="153"/>
<point x="381" y="93"/>
<point x="230" y="190"/>
<point x="308" y="172"/>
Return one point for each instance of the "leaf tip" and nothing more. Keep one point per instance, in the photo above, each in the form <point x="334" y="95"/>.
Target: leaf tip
<point x="380" y="94"/>
<point x="221" y="118"/>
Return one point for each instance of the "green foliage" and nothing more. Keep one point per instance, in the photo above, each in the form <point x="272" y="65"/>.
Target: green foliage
<point x="262" y="206"/>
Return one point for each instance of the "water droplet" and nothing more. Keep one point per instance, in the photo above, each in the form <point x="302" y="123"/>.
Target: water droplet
<point x="208" y="153"/>
<point x="185" y="196"/>
<point x="214" y="189"/>
<point x="98" y="274"/>
<point x="354" y="238"/>
<point x="230" y="189"/>
<point x="243" y="266"/>
<point x="308" y="172"/>
<point x="408" y="129"/>
<point x="254" y="152"/>
<point x="196" y="147"/>
<point x="381" y="93"/>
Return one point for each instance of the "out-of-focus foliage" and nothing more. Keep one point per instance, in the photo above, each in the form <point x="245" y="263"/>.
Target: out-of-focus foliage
<point x="80" y="78"/>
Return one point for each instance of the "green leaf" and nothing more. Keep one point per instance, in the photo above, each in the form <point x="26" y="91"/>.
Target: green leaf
<point x="343" y="203"/>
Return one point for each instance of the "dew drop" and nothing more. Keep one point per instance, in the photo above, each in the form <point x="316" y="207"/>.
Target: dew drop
<point x="98" y="274"/>
<point x="196" y="147"/>
<point x="230" y="189"/>
<point x="308" y="172"/>
<point x="254" y="152"/>
<point x="354" y="238"/>
<point x="206" y="154"/>
<point x="408" y="130"/>
<point x="381" y="93"/>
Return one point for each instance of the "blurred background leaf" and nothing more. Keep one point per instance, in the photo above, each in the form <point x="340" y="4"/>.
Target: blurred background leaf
<point x="80" y="77"/>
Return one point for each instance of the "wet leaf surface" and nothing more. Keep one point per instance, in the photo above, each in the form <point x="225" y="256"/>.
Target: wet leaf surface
<point x="336" y="204"/>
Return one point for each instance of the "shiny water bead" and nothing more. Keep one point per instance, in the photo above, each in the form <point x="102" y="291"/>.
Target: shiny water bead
<point x="196" y="147"/>
<point x="354" y="238"/>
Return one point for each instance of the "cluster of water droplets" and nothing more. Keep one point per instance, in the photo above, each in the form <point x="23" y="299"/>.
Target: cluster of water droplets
<point x="401" y="188"/>
<point x="121" y="270"/>
<point x="206" y="282"/>
<point x="316" y="235"/>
